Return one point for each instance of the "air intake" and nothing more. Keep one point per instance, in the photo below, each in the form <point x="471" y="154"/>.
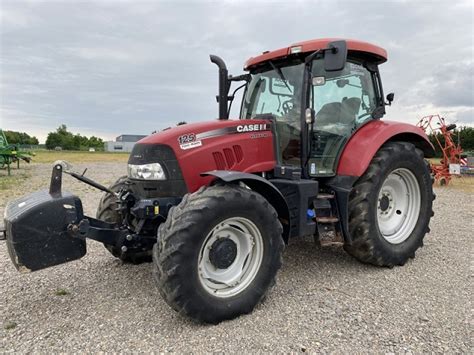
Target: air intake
<point x="219" y="159"/>
<point x="228" y="158"/>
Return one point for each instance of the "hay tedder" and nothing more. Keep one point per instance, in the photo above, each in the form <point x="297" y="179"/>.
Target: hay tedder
<point x="11" y="153"/>
<point x="451" y="152"/>
<point x="213" y="204"/>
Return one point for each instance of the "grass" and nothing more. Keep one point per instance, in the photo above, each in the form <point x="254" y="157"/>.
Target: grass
<point x="10" y="325"/>
<point x="463" y="182"/>
<point x="50" y="156"/>
<point x="16" y="178"/>
<point x="61" y="292"/>
<point x="434" y="160"/>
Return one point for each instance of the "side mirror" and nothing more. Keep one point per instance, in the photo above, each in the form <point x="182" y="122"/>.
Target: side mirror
<point x="390" y="98"/>
<point x="309" y="115"/>
<point x="335" y="56"/>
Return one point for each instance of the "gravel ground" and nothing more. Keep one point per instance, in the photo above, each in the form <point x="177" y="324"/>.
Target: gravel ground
<point x="324" y="300"/>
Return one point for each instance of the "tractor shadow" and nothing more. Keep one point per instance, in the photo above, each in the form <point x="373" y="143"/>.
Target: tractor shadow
<point x="302" y="259"/>
<point x="303" y="254"/>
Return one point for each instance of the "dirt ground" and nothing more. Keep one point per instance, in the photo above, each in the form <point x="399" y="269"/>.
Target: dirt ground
<point x="324" y="300"/>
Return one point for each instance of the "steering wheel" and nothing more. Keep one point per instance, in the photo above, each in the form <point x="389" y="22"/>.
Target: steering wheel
<point x="287" y="106"/>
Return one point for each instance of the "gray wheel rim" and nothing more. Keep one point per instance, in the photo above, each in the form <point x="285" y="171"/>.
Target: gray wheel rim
<point x="398" y="206"/>
<point x="237" y="277"/>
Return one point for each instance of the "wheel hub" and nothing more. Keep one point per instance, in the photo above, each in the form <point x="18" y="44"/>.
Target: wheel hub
<point x="384" y="203"/>
<point x="230" y="257"/>
<point x="398" y="205"/>
<point x="223" y="253"/>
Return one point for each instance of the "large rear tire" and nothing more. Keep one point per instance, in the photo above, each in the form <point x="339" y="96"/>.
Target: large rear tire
<point x="218" y="253"/>
<point x="107" y="211"/>
<point x="390" y="206"/>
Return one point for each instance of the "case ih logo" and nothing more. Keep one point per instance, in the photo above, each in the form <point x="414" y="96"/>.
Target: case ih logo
<point x="252" y="128"/>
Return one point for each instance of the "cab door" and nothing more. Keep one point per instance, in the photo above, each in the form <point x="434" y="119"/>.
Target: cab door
<point x="342" y="101"/>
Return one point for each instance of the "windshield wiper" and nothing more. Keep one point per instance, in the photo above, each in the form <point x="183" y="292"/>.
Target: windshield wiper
<point x="280" y="74"/>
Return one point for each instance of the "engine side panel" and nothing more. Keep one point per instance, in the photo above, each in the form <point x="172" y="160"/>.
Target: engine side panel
<point x="365" y="142"/>
<point x="240" y="145"/>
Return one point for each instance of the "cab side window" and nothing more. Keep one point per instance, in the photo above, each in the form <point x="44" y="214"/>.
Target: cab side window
<point x="343" y="99"/>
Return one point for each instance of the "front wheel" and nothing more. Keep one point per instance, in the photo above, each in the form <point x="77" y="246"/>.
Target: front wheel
<point x="390" y="206"/>
<point x="107" y="212"/>
<point x="218" y="253"/>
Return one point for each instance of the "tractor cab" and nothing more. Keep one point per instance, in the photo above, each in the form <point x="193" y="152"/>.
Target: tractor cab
<point x="318" y="94"/>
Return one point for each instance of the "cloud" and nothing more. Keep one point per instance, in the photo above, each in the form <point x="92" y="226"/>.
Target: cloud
<point x="118" y="67"/>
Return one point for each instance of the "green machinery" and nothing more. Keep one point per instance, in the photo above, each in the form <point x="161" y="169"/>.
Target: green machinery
<point x="10" y="153"/>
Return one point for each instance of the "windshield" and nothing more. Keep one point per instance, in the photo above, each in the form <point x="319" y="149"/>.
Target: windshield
<point x="278" y="92"/>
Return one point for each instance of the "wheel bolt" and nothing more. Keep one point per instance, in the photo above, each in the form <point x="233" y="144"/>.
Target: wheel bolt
<point x="124" y="248"/>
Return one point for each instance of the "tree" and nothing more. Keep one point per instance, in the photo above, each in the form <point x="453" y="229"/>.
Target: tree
<point x="95" y="142"/>
<point x="464" y="134"/>
<point x="14" y="137"/>
<point x="69" y="141"/>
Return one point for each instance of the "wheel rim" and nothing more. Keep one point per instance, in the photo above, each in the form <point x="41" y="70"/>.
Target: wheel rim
<point x="229" y="270"/>
<point x="398" y="205"/>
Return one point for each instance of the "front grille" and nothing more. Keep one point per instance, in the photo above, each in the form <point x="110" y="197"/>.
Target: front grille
<point x="173" y="186"/>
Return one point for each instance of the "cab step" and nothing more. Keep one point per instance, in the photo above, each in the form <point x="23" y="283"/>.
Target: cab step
<point x="327" y="223"/>
<point x="324" y="196"/>
<point x="327" y="220"/>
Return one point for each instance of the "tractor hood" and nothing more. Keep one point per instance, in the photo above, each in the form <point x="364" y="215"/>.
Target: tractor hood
<point x="242" y="145"/>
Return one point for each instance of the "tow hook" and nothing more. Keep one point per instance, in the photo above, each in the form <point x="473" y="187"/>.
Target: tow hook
<point x="80" y="230"/>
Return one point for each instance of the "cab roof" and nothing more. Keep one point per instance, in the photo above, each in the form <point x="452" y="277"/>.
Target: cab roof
<point x="374" y="53"/>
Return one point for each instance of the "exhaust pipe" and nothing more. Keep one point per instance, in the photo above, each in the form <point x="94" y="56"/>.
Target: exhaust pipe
<point x="224" y="85"/>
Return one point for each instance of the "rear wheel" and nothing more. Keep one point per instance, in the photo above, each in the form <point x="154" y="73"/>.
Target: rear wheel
<point x="390" y="206"/>
<point x="218" y="253"/>
<point x="107" y="211"/>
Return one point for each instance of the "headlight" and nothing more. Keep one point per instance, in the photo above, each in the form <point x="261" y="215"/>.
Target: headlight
<point x="152" y="171"/>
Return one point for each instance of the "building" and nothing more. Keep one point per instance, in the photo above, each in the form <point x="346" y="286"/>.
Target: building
<point x="123" y="143"/>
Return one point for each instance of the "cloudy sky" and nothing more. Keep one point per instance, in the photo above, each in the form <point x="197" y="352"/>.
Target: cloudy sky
<point x="113" y="67"/>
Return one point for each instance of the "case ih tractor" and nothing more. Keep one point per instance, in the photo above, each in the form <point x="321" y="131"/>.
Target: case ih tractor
<point x="213" y="204"/>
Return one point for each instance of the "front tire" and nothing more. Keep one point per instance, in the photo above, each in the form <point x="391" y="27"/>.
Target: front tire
<point x="390" y="206"/>
<point x="218" y="253"/>
<point x="107" y="212"/>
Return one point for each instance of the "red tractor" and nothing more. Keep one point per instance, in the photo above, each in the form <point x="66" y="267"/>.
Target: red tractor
<point x="213" y="204"/>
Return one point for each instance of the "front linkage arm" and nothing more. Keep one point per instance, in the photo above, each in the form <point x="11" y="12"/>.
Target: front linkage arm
<point x="56" y="178"/>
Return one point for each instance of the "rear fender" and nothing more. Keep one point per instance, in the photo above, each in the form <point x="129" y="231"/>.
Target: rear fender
<point x="264" y="188"/>
<point x="366" y="141"/>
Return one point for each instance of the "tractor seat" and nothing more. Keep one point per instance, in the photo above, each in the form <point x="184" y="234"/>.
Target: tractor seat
<point x="337" y="117"/>
<point x="351" y="106"/>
